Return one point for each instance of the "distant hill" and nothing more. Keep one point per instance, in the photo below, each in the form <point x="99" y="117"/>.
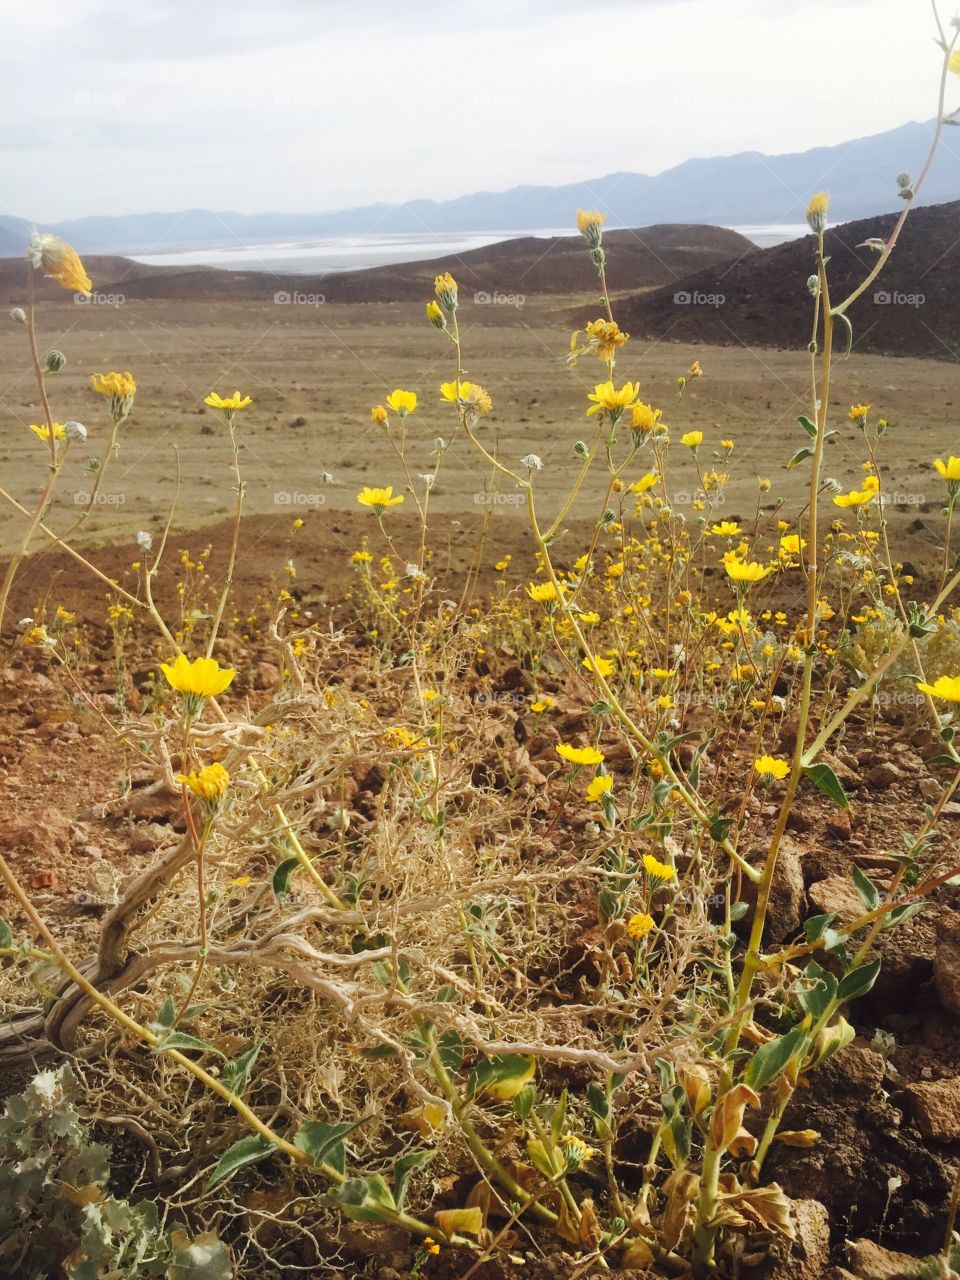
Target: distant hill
<point x="914" y="308"/>
<point x="528" y="266"/>
<point x="738" y="190"/>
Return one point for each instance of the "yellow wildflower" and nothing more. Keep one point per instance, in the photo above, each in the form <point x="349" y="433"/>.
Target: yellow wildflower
<point x="59" y="261"/>
<point x="542" y="592"/>
<point x="725" y="529"/>
<point x="228" y="404"/>
<point x="744" y="571"/>
<point x="470" y="394"/>
<point x="202" y="678"/>
<point x="639" y="925"/>
<point x="769" y="767"/>
<point x="644" y="484"/>
<point x="949" y="470"/>
<point x="402" y="402"/>
<point x="644" y="417"/>
<point x="379" y="414"/>
<point x="817" y="212"/>
<point x="608" y="399"/>
<point x="209" y="783"/>
<point x="601" y="786"/>
<point x="692" y="439"/>
<point x="579" y="755"/>
<point x="945" y="687"/>
<point x="657" y="870"/>
<point x="43" y="432"/>
<point x="600" y="666"/>
<point x="379" y="499"/>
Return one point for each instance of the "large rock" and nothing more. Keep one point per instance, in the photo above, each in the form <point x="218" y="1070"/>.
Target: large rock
<point x="807" y="1257"/>
<point x="935" y="1106"/>
<point x="872" y="1262"/>
<point x="787" y="908"/>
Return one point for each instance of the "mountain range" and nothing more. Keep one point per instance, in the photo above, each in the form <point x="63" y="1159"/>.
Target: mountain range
<point x="738" y="190"/>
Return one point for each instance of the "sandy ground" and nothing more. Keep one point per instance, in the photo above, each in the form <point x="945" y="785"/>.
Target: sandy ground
<point x="327" y="364"/>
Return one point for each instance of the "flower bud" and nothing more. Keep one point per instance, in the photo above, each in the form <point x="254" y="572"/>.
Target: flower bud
<point x="18" y="315"/>
<point x="54" y="362"/>
<point x="75" y="431"/>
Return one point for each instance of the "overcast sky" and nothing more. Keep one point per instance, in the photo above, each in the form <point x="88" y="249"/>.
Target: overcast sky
<point x="306" y="105"/>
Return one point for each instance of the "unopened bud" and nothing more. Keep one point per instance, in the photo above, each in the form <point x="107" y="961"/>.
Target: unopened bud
<point x="75" y="431"/>
<point x="18" y="315"/>
<point x="54" y="362"/>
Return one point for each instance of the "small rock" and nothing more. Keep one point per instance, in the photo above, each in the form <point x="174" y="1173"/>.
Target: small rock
<point x="935" y="1106"/>
<point x="836" y="895"/>
<point x="884" y="774"/>
<point x="838" y="824"/>
<point x="266" y="676"/>
<point x="787" y="898"/>
<point x="804" y="1258"/>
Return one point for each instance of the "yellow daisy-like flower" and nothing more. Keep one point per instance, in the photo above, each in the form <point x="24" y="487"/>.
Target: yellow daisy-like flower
<point x="770" y="768"/>
<point x="379" y="499"/>
<point x="579" y="755"/>
<point x="435" y="314"/>
<point x="745" y="571"/>
<point x="791" y="544"/>
<point x="202" y="678"/>
<point x="590" y="225"/>
<point x="644" y="484"/>
<point x="43" y="432"/>
<point x="445" y="288"/>
<point x="725" y="529"/>
<point x="59" y="261"/>
<point x="599" y="666"/>
<point x="601" y="786"/>
<point x="542" y="592"/>
<point x="945" y="687"/>
<point x="949" y="470"/>
<point x="644" y="417"/>
<point x="692" y="439"/>
<point x="208" y="783"/>
<point x="402" y="402"/>
<point x="858" y="413"/>
<point x="858" y="497"/>
<point x="119" y="388"/>
<point x="608" y="399"/>
<point x="361" y="557"/>
<point x="228" y="404"/>
<point x="379" y="414"/>
<point x="430" y="1245"/>
<point x="470" y="394"/>
<point x="817" y="211"/>
<point x="639" y="925"/>
<point x="657" y="870"/>
<point x="602" y="338"/>
<point x="576" y="1152"/>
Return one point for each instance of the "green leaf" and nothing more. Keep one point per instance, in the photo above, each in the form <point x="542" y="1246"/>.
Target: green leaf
<point x="247" y="1151"/>
<point x="858" y="981"/>
<point x="166" y="1013"/>
<point x="848" y="328"/>
<point x="236" y="1074"/>
<point x="180" y="1041"/>
<point x="800" y="456"/>
<point x="365" y="1199"/>
<point x="402" y="1171"/>
<point x="899" y="914"/>
<point x="826" y="781"/>
<point x="816" y="1000"/>
<point x="771" y="1058"/>
<point x="282" y="877"/>
<point x="738" y="910"/>
<point x="323" y="1143"/>
<point x="6" y="935"/>
<point x="601" y="709"/>
<point x="868" y="891"/>
<point x="808" y="426"/>
<point x="814" y="927"/>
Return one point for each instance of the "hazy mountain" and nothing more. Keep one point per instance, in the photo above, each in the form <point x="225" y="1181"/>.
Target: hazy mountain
<point x="729" y="190"/>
